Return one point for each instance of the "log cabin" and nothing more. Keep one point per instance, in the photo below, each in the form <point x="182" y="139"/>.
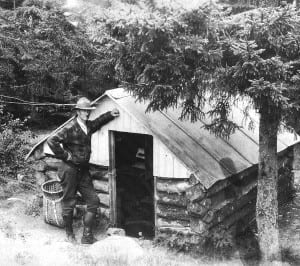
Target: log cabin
<point x="163" y="176"/>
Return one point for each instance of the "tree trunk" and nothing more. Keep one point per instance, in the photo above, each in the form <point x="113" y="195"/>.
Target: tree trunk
<point x="267" y="203"/>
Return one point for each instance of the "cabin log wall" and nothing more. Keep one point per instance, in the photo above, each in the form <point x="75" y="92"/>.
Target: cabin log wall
<point x="227" y="203"/>
<point x="100" y="176"/>
<point x="171" y="202"/>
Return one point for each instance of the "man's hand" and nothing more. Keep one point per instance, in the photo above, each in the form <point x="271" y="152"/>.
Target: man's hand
<point x="69" y="156"/>
<point x="115" y="112"/>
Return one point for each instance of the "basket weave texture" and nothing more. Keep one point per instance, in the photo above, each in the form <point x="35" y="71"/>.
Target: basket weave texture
<point x="52" y="208"/>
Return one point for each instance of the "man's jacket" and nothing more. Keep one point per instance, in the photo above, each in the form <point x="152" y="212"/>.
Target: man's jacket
<point x="72" y="140"/>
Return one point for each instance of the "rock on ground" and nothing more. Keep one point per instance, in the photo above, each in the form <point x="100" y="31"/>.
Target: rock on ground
<point x="121" y="247"/>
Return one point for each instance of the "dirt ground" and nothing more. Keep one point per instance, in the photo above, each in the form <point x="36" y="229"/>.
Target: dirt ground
<point x="25" y="239"/>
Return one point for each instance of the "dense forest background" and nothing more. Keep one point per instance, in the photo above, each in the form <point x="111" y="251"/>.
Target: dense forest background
<point x="54" y="51"/>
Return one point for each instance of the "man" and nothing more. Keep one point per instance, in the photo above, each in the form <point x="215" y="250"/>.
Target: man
<point x="72" y="144"/>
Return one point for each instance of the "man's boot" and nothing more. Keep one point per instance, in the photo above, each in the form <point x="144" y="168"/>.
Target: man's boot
<point x="87" y="236"/>
<point x="68" y="219"/>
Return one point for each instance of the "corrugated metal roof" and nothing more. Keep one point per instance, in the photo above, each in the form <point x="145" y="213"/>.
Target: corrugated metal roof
<point x="209" y="157"/>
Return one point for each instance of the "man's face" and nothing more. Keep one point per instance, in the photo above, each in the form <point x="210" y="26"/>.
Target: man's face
<point x="83" y="114"/>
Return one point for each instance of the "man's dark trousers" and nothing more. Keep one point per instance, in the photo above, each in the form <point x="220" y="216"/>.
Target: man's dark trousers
<point x="75" y="178"/>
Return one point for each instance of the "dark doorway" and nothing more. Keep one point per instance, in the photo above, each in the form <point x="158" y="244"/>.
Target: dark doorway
<point x="134" y="184"/>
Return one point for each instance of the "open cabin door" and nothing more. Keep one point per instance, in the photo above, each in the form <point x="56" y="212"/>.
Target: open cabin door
<point x="131" y="183"/>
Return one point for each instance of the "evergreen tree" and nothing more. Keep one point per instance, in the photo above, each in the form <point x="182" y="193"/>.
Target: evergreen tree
<point x="266" y="70"/>
<point x="177" y="64"/>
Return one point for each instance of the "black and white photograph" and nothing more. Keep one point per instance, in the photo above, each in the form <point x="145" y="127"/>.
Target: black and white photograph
<point x="149" y="132"/>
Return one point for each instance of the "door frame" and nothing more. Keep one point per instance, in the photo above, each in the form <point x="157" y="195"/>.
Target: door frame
<point x="112" y="178"/>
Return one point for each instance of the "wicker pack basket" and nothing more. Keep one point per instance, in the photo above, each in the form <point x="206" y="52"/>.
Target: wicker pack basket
<point x="52" y="208"/>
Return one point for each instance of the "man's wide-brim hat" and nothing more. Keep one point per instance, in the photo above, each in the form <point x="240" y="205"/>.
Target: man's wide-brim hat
<point x="84" y="104"/>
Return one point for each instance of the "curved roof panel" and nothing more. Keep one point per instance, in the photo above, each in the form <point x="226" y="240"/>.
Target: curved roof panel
<point x="211" y="158"/>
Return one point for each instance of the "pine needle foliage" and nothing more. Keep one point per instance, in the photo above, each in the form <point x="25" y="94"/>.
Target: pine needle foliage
<point x="191" y="58"/>
<point x="43" y="57"/>
<point x="164" y="58"/>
